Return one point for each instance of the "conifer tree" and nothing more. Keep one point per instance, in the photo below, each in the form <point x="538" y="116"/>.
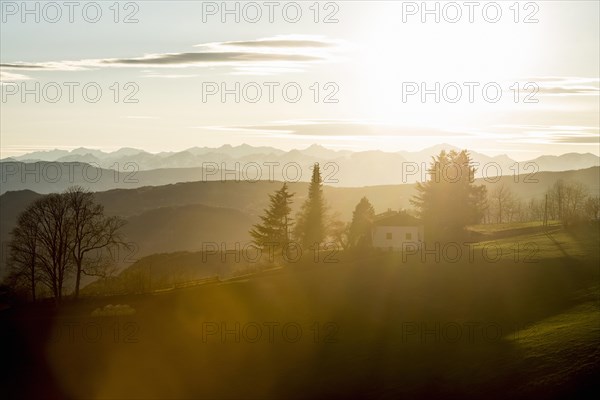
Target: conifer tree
<point x="311" y="220"/>
<point x="274" y="230"/>
<point x="362" y="222"/>
<point x="449" y="200"/>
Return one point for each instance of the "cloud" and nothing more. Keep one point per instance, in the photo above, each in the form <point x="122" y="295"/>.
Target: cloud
<point x="274" y="43"/>
<point x="567" y="85"/>
<point x="187" y="59"/>
<point x="578" y="140"/>
<point x="24" y="66"/>
<point x="169" y="76"/>
<point x="11" y="77"/>
<point x="49" y="65"/>
<point x="369" y="130"/>
<point x="557" y="134"/>
<point x="569" y="90"/>
<point x="278" y="42"/>
<point x="264" y="70"/>
<point x="564" y="79"/>
<point x="283" y="52"/>
<point x="339" y="128"/>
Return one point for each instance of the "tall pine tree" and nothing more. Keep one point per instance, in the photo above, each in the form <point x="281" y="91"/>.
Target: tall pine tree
<point x="274" y="230"/>
<point x="311" y="220"/>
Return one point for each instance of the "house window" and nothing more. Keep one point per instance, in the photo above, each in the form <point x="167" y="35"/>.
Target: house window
<point x="409" y="236"/>
<point x="388" y="235"/>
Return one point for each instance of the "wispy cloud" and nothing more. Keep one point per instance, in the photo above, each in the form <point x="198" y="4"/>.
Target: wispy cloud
<point x="567" y="85"/>
<point x="558" y="134"/>
<point x="332" y="127"/>
<point x="279" y="52"/>
<point x="169" y="76"/>
<point x="264" y="70"/>
<point x="6" y="76"/>
<point x="190" y="59"/>
<point x="368" y="130"/>
<point x="277" y="43"/>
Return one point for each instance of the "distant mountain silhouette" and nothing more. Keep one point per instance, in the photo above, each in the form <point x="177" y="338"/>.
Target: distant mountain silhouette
<point x="565" y="162"/>
<point x="130" y="168"/>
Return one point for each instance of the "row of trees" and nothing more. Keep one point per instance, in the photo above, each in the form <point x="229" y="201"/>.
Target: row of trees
<point x="277" y="228"/>
<point x="450" y="200"/>
<point x="312" y="226"/>
<point x="59" y="238"/>
<point x="568" y="202"/>
<point x="446" y="203"/>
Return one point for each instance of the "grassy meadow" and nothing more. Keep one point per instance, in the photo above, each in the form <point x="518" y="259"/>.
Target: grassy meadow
<point x="371" y="325"/>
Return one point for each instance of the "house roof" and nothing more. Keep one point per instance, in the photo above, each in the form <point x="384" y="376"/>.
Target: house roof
<point x="394" y="218"/>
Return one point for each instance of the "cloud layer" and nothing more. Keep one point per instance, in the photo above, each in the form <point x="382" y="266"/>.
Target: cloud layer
<point x="289" y="53"/>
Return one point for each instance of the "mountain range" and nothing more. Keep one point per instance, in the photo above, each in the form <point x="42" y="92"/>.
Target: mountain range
<point x="130" y="168"/>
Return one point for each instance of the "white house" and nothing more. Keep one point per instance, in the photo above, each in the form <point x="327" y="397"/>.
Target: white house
<point x="395" y="231"/>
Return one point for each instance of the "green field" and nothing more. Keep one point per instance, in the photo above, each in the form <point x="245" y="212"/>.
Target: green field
<point x="373" y="325"/>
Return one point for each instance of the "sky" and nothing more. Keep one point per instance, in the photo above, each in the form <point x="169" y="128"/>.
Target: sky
<point x="499" y="78"/>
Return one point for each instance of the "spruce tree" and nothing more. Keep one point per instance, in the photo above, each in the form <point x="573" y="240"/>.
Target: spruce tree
<point x="274" y="230"/>
<point x="310" y="222"/>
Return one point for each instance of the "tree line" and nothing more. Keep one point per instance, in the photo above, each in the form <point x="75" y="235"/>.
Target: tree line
<point x="446" y="203"/>
<point x="58" y="239"/>
<point x="313" y="225"/>
<point x="566" y="201"/>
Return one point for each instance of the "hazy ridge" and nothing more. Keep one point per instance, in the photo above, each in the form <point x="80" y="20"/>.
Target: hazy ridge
<point x="127" y="168"/>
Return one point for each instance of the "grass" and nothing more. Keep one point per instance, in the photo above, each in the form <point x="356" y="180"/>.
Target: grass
<point x="551" y="243"/>
<point x="570" y="339"/>
<point x="372" y="326"/>
<point x="493" y="228"/>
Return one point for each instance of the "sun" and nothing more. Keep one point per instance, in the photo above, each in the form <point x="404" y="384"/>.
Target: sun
<point x="394" y="56"/>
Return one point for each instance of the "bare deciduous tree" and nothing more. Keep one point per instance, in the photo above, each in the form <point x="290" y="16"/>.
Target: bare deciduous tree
<point x="56" y="236"/>
<point x="566" y="200"/>
<point x="91" y="231"/>
<point x="501" y="201"/>
<point x="24" y="253"/>
<point x="592" y="207"/>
